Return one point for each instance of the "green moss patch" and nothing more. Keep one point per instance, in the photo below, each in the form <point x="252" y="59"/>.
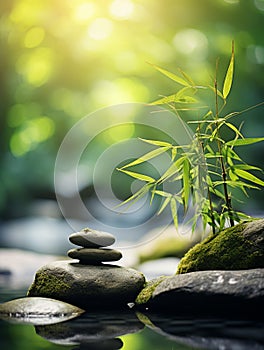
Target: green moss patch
<point x="227" y="250"/>
<point x="146" y="293"/>
<point x="46" y="285"/>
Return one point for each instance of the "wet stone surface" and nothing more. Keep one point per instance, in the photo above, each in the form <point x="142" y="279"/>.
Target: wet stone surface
<point x="38" y="311"/>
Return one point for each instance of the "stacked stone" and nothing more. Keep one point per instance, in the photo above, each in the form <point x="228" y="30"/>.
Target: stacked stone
<point x="93" y="251"/>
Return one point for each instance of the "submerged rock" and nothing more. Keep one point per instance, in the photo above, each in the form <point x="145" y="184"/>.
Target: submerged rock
<point x="235" y="248"/>
<point x="206" y="292"/>
<point x="38" y="311"/>
<point x="88" y="286"/>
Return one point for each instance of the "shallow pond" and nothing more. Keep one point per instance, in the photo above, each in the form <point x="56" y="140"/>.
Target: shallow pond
<point x="131" y="330"/>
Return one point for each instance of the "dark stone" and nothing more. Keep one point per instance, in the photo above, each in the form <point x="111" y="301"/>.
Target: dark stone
<point x="236" y="248"/>
<point x="208" y="292"/>
<point x="89" y="238"/>
<point x="88" y="286"/>
<point x="94" y="255"/>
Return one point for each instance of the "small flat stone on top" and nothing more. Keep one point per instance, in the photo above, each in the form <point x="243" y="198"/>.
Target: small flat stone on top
<point x="89" y="238"/>
<point x="93" y="255"/>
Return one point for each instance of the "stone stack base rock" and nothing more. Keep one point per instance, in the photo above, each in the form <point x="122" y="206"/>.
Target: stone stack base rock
<point x="89" y="283"/>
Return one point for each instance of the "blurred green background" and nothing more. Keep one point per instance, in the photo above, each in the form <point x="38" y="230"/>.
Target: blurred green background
<point x="63" y="59"/>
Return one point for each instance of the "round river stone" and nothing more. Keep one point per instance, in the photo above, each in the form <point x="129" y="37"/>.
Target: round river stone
<point x="88" y="286"/>
<point x="90" y="255"/>
<point x="38" y="311"/>
<point x="89" y="238"/>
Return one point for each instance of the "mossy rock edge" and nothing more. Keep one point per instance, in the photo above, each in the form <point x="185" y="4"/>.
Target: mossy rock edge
<point x="146" y="293"/>
<point x="235" y="248"/>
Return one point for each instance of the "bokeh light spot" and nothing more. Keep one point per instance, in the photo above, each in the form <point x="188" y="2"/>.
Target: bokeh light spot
<point x="84" y="11"/>
<point x="34" y="37"/>
<point x="100" y="29"/>
<point x="37" y="67"/>
<point x="191" y="42"/>
<point x="17" y="115"/>
<point x="122" y="9"/>
<point x="27" y="12"/>
<point x="119" y="133"/>
<point x="119" y="91"/>
<point x="256" y="54"/>
<point x="30" y="134"/>
<point x="232" y="1"/>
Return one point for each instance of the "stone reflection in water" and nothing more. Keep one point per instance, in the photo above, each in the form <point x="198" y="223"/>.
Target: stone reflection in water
<point x="108" y="344"/>
<point x="208" y="333"/>
<point x="93" y="330"/>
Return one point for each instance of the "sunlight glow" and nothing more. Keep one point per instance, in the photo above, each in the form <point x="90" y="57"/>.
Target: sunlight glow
<point x="118" y="133"/>
<point x="119" y="91"/>
<point x="100" y="29"/>
<point x="122" y="9"/>
<point x="191" y="41"/>
<point x="84" y="11"/>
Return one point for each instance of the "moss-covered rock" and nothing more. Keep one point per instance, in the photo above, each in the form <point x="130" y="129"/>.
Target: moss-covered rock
<point x="205" y="293"/>
<point x="236" y="248"/>
<point x="87" y="286"/>
<point x="146" y="293"/>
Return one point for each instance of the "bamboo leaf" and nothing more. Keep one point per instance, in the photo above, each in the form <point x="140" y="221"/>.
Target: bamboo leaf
<point x="232" y="175"/>
<point x="173" y="206"/>
<point x="250" y="177"/>
<point x="186" y="182"/>
<point x="175" y="99"/>
<point x="218" y="193"/>
<point x="237" y="132"/>
<point x="153" y="194"/>
<point x="235" y="184"/>
<point x="187" y="77"/>
<point x="147" y="156"/>
<point x="173" y="169"/>
<point x="136" y="196"/>
<point x="229" y="75"/>
<point x="164" y="100"/>
<point x="219" y="93"/>
<point x="244" y="141"/>
<point x="164" y="205"/>
<point x="138" y="176"/>
<point x="157" y="143"/>
<point x="172" y="76"/>
<point x="187" y="99"/>
<point x="173" y="153"/>
<point x="163" y="193"/>
<point x="245" y="167"/>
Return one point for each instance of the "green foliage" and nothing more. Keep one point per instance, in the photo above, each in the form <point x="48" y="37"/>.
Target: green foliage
<point x="208" y="169"/>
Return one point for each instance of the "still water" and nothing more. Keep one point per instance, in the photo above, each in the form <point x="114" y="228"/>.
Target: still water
<point x="133" y="330"/>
